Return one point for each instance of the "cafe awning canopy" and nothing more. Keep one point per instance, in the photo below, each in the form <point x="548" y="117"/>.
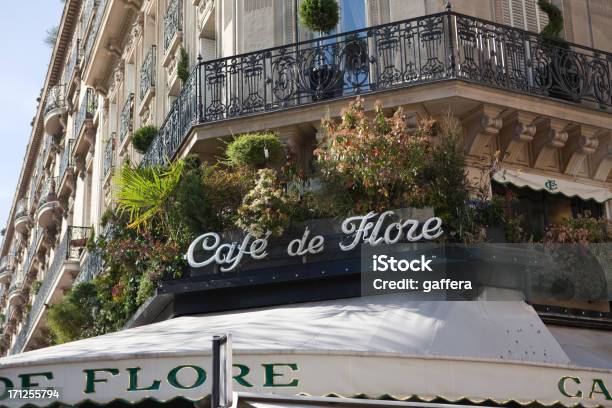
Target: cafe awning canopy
<point x="374" y="347"/>
<point x="553" y="185"/>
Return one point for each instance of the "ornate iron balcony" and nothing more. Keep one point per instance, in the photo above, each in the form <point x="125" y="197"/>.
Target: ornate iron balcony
<point x="74" y="60"/>
<point x="49" y="191"/>
<point x="86" y="111"/>
<point x="147" y="73"/>
<point x="93" y="266"/>
<point x="21" y="208"/>
<point x="37" y="236"/>
<point x="56" y="98"/>
<point x="109" y="153"/>
<point x="172" y="22"/>
<point x="127" y="118"/>
<point x="439" y="47"/>
<point x="95" y="27"/>
<point x="67" y="160"/>
<point x="88" y="10"/>
<point x="63" y="252"/>
<point x="7" y="262"/>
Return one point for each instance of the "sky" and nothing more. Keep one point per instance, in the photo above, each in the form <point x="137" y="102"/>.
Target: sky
<point x="24" y="60"/>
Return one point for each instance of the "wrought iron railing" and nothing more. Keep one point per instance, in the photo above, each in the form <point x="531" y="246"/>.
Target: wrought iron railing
<point x="86" y="111"/>
<point x="88" y="10"/>
<point x="95" y="28"/>
<point x="36" y="237"/>
<point x="92" y="267"/>
<point x="147" y="73"/>
<point x="70" y="248"/>
<point x="48" y="192"/>
<point x="21" y="208"/>
<point x="7" y="263"/>
<point x="76" y="54"/>
<point x="172" y="22"/>
<point x="109" y="152"/>
<point x="56" y="98"/>
<point x="127" y="118"/>
<point x="438" y="47"/>
<point x="67" y="160"/>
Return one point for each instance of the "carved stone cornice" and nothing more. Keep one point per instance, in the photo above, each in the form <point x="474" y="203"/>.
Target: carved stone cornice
<point x="482" y="127"/>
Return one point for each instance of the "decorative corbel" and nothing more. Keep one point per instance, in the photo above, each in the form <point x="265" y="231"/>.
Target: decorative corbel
<point x="79" y="163"/>
<point x="551" y="135"/>
<point x="482" y="127"/>
<point x="582" y="142"/>
<point x="113" y="48"/>
<point x="602" y="158"/>
<point x="133" y="5"/>
<point x="518" y="129"/>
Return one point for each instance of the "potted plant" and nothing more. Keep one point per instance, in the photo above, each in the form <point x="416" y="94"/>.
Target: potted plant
<point x="143" y="138"/>
<point x="323" y="78"/>
<point x="555" y="74"/>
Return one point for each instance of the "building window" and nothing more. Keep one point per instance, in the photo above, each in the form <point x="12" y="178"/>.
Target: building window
<point x="352" y="15"/>
<point x="524" y="14"/>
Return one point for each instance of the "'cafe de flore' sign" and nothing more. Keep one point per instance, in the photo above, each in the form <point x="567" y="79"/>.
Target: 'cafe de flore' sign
<point x="372" y="229"/>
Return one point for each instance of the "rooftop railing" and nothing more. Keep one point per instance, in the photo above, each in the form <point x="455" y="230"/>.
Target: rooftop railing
<point x="439" y="47"/>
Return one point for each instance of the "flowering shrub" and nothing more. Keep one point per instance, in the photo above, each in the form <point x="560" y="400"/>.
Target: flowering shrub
<point x="265" y="208"/>
<point x="578" y="230"/>
<point x="378" y="160"/>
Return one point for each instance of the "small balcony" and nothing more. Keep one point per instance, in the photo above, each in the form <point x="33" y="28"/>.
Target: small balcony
<point x="48" y="207"/>
<point x="67" y="171"/>
<point x="16" y="294"/>
<point x="60" y="276"/>
<point x="23" y="221"/>
<point x="109" y="158"/>
<point x="173" y="29"/>
<point x="147" y="77"/>
<point x="7" y="265"/>
<point x="49" y="150"/>
<point x="127" y="121"/>
<point x="73" y="65"/>
<point x="55" y="109"/>
<point x="83" y="132"/>
<point x="29" y="263"/>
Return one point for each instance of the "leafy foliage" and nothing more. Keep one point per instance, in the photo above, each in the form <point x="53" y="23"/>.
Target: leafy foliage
<point x="255" y="150"/>
<point x="579" y="230"/>
<point x="71" y="319"/>
<point x="146" y="194"/>
<point x="319" y="15"/>
<point x="51" y="36"/>
<point x="183" y="65"/>
<point x="143" y="137"/>
<point x="265" y="208"/>
<point x="553" y="29"/>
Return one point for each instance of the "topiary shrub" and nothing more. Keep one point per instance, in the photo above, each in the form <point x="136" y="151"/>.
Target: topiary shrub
<point x="255" y="150"/>
<point x="554" y="27"/>
<point x="319" y="15"/>
<point x="143" y="137"/>
<point x="183" y="65"/>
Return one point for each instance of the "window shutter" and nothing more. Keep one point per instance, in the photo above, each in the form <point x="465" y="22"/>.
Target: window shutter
<point x="524" y="14"/>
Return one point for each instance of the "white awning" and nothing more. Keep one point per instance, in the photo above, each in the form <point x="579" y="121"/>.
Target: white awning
<point x="553" y="185"/>
<point x="498" y="351"/>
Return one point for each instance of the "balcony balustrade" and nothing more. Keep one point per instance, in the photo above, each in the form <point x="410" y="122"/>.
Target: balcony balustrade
<point x="127" y="119"/>
<point x="7" y="265"/>
<point x="147" y="76"/>
<point x="76" y="55"/>
<point x="439" y="47"/>
<point x="94" y="28"/>
<point x="49" y="149"/>
<point x="92" y="267"/>
<point x="83" y="122"/>
<point x="109" y="156"/>
<point x="66" y="170"/>
<point x="69" y="249"/>
<point x="23" y="220"/>
<point x="48" y="205"/>
<point x="173" y="23"/>
<point x="16" y="292"/>
<point x="55" y="108"/>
